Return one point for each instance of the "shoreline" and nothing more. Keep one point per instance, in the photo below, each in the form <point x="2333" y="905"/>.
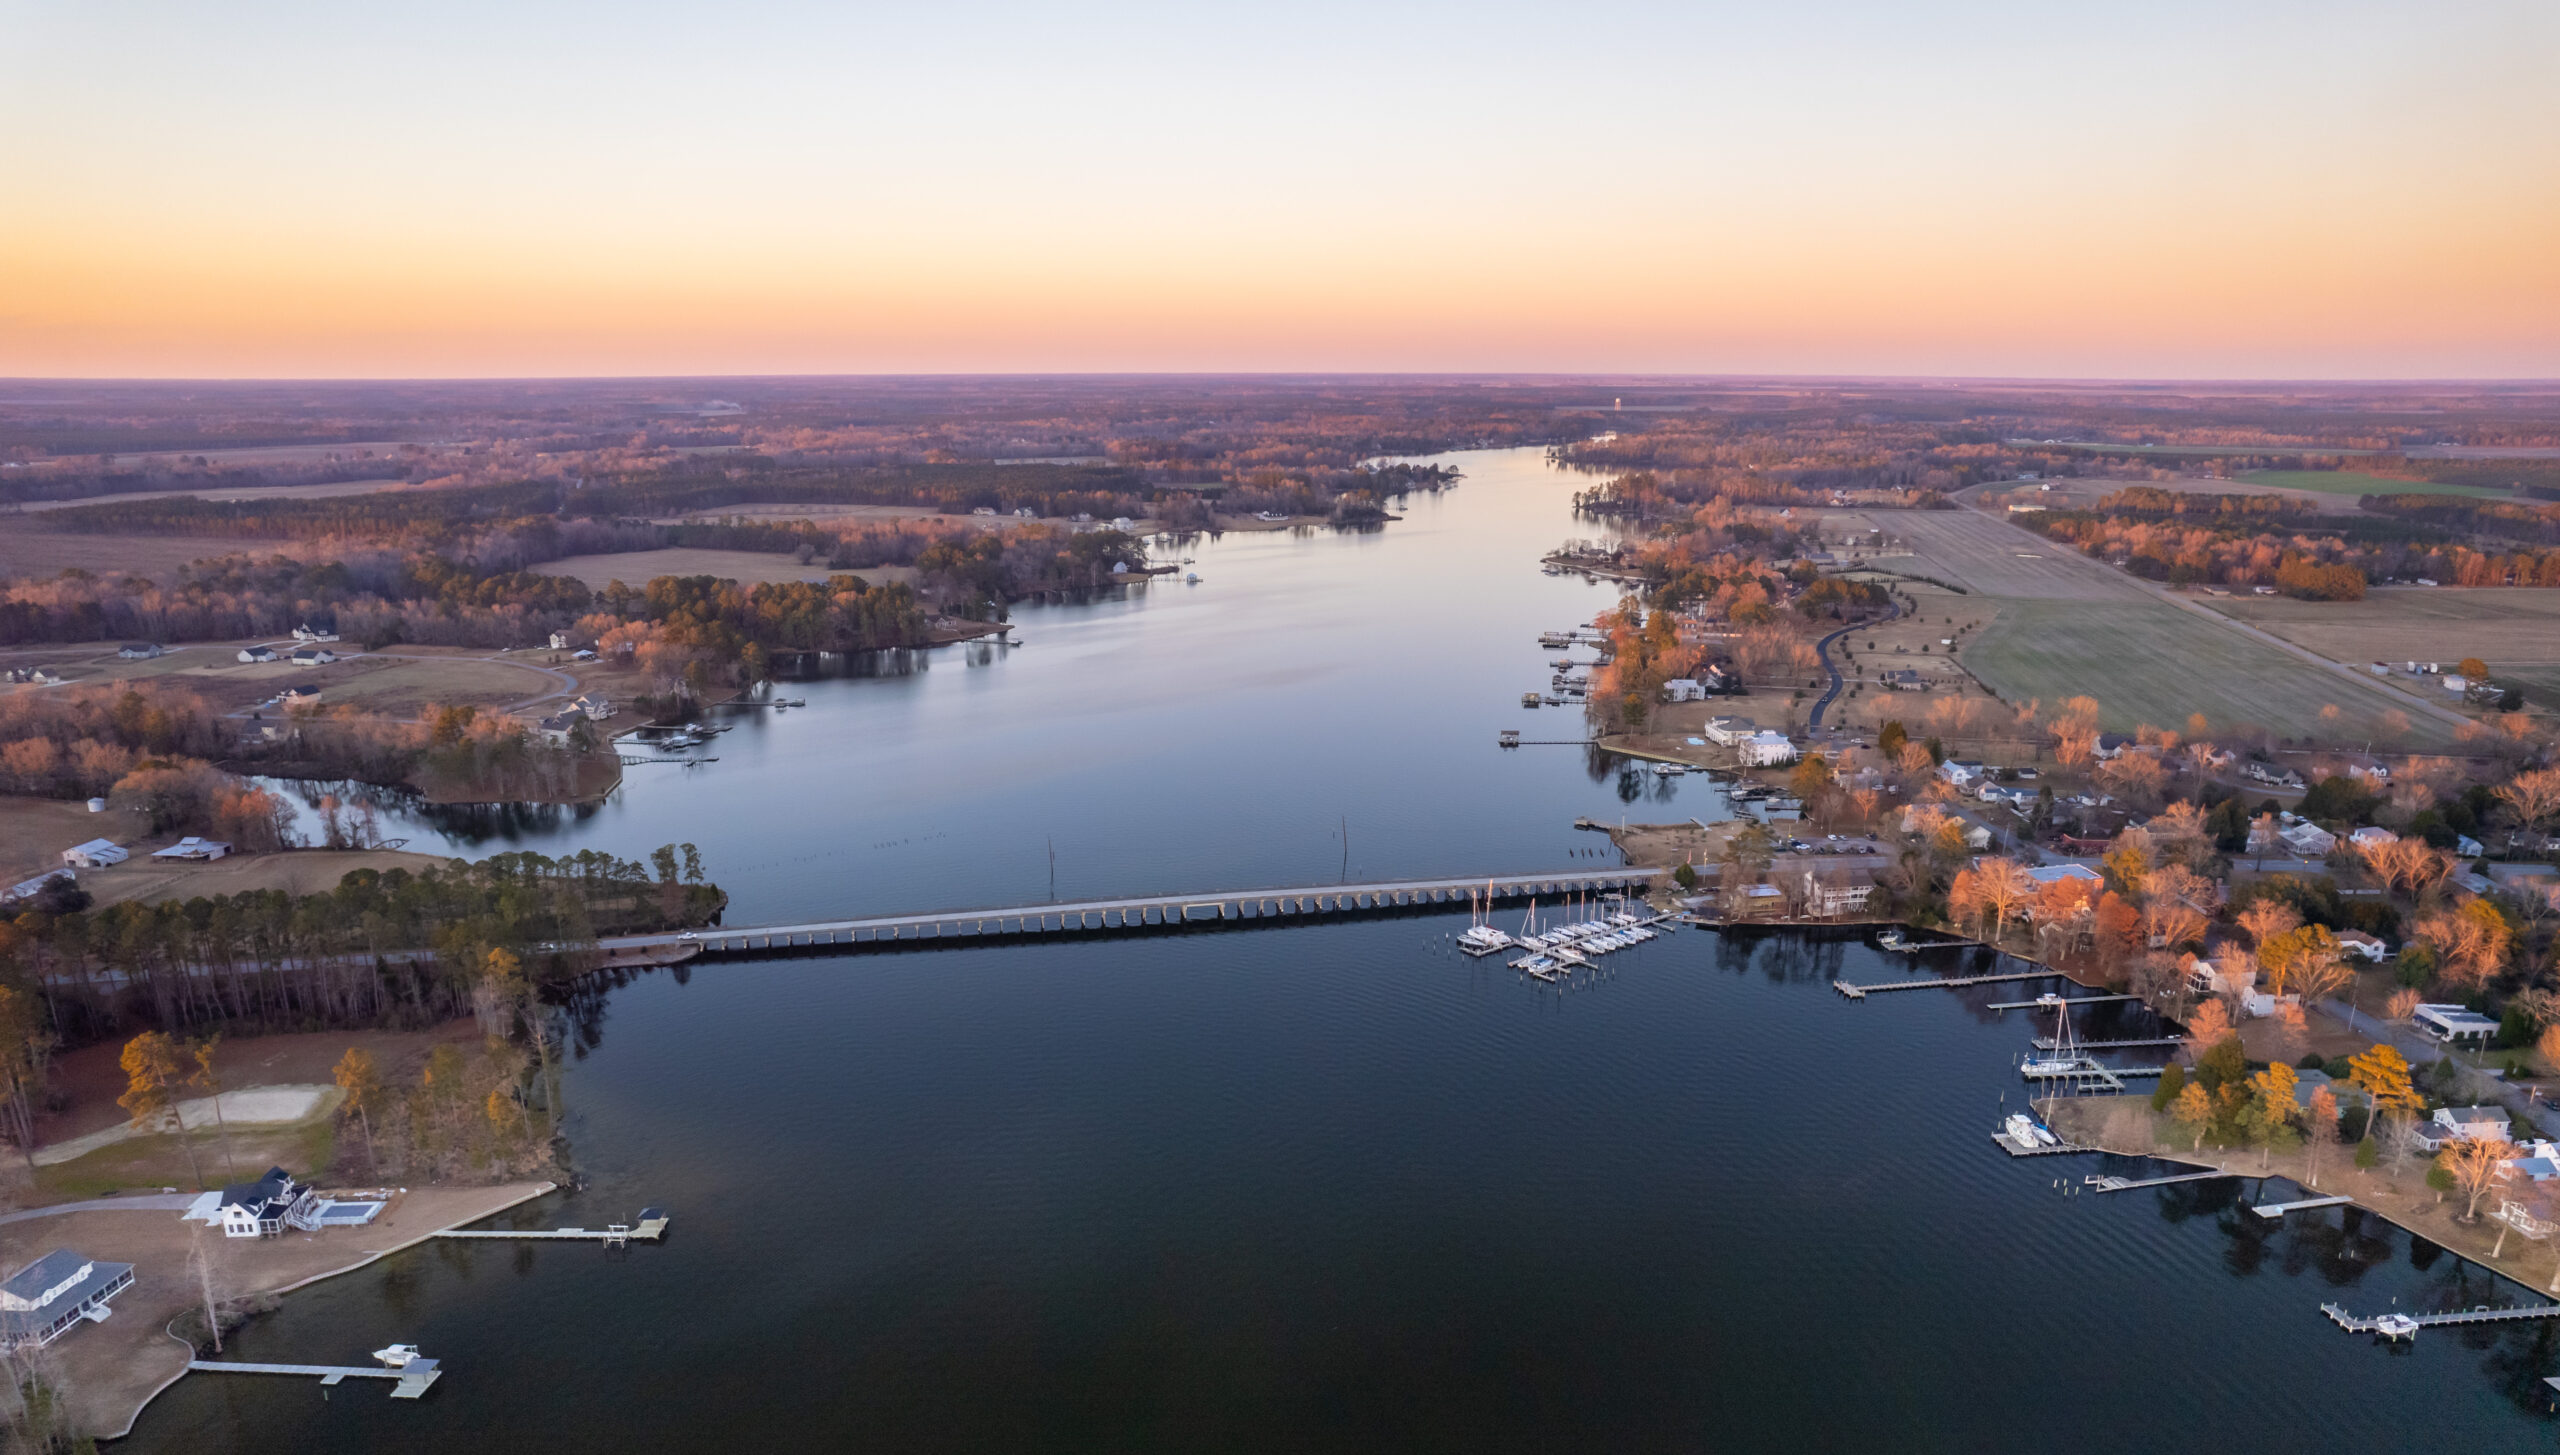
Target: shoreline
<point x="523" y="1193"/>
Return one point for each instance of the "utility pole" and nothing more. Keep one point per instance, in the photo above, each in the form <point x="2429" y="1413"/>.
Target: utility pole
<point x="1053" y="870"/>
<point x="1346" y="848"/>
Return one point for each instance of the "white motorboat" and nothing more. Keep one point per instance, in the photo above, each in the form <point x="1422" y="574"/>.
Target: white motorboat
<point x="398" y="1356"/>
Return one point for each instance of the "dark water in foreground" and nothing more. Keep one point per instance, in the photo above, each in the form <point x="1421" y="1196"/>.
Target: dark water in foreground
<point x="1331" y="1186"/>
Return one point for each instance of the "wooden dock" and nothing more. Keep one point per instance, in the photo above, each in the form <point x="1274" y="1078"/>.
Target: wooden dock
<point x="1861" y="992"/>
<point x="2048" y="1043"/>
<point x="651" y="1227"/>
<point x="2406" y="1326"/>
<point x="2128" y="1184"/>
<point x="2032" y="1004"/>
<point x="1250" y="906"/>
<point x="409" y="1381"/>
<point x="2275" y="1210"/>
<point x="2011" y="1146"/>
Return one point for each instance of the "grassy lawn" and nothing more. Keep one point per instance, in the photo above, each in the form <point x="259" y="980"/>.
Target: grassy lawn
<point x="2148" y="661"/>
<point x="2348" y="482"/>
<point x="147" y="1164"/>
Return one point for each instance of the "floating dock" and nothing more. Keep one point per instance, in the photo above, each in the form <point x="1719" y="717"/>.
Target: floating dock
<point x="2014" y="1148"/>
<point x="410" y="1381"/>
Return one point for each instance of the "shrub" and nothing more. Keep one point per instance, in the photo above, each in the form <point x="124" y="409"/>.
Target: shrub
<point x="2368" y="1152"/>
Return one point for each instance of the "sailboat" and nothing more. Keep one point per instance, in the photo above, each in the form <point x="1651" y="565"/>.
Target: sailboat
<point x="2066" y="1056"/>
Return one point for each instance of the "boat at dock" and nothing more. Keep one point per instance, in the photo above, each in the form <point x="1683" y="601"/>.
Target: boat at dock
<point x="1894" y="939"/>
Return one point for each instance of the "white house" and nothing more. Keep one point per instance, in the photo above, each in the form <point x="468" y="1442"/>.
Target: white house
<point x="306" y="633"/>
<point x="262" y="1208"/>
<point x="1766" y="750"/>
<point x="140" y="651"/>
<point x="1962" y="772"/>
<point x="1683" y="689"/>
<point x="1829" y="901"/>
<point x="1730" y="730"/>
<point x="595" y="705"/>
<point x="46" y="1299"/>
<point x="557" y="730"/>
<point x="95" y="854"/>
<point x="2453" y="1124"/>
<point x="2370" y="837"/>
<point x="2357" y="942"/>
<point x="257" y="654"/>
<point x="313" y="656"/>
<point x="2307" y="840"/>
<point x="559" y="641"/>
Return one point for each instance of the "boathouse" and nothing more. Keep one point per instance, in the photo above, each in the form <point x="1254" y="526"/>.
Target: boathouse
<point x="40" y="1302"/>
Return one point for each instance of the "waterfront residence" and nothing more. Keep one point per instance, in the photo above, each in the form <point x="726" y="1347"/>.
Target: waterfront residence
<point x="263" y="1208"/>
<point x="95" y="854"/>
<point x="1728" y="731"/>
<point x="595" y="705"/>
<point x="1684" y="689"/>
<point x="2453" y="1124"/>
<point x="42" y="1301"/>
<point x="2452" y="1024"/>
<point x="1765" y="750"/>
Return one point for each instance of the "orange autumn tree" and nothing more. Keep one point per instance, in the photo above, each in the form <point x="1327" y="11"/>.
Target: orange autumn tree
<point x="2470" y="941"/>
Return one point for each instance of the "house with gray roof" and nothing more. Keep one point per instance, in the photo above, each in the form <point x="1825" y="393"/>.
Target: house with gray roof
<point x="42" y="1301"/>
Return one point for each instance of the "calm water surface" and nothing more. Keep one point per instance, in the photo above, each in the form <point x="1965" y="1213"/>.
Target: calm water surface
<point x="1323" y="1187"/>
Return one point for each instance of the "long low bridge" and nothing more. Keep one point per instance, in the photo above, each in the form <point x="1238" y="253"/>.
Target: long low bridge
<point x="1146" y="911"/>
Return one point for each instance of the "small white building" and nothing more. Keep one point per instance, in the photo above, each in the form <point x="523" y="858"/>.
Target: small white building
<point x="2372" y="837"/>
<point x="95" y="854"/>
<point x="313" y="656"/>
<point x="307" y="633"/>
<point x="595" y="705"/>
<point x="1683" y="689"/>
<point x="2452" y="1023"/>
<point x="559" y="641"/>
<point x="1962" y="772"/>
<point x="140" y="651"/>
<point x="2357" y="942"/>
<point x="1765" y="750"/>
<point x="257" y="654"/>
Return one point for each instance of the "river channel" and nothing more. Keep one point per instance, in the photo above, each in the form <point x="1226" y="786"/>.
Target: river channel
<point x="1330" y="1186"/>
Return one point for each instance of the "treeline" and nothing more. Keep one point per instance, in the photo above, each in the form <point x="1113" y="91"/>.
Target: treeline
<point x="2323" y="566"/>
<point x="2510" y="520"/>
<point x="383" y="949"/>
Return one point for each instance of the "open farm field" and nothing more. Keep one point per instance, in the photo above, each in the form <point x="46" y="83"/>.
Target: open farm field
<point x="246" y="492"/>
<point x="2068" y="626"/>
<point x="749" y="567"/>
<point x="298" y="871"/>
<point x="2507" y="627"/>
<point x="2151" y="662"/>
<point x="35" y="831"/>
<point x="2102" y="447"/>
<point x="26" y="552"/>
<point x="402" y="682"/>
<point x="406" y="686"/>
<point x="2350" y="483"/>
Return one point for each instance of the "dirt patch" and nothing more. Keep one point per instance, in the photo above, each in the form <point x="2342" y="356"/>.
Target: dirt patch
<point x="296" y="871"/>
<point x="637" y="568"/>
<point x="112" y="1369"/>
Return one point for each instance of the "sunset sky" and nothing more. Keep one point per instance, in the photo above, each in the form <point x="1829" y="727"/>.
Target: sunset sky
<point x="2215" y="189"/>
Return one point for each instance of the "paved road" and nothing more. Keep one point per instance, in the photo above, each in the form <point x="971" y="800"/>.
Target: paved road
<point x="159" y="1202"/>
<point x="1813" y="720"/>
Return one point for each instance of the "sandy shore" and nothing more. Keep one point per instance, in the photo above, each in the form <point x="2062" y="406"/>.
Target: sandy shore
<point x="111" y="1370"/>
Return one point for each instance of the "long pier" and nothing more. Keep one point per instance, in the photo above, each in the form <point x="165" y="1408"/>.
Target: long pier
<point x="2034" y="1004"/>
<point x="2406" y="1326"/>
<point x="1143" y="911"/>
<point x="2048" y="1043"/>
<point x="1861" y="992"/>
<point x="411" y="1379"/>
<point x="651" y="1227"/>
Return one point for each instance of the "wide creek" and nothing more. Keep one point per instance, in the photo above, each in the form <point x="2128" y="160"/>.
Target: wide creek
<point x="1324" y="1186"/>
